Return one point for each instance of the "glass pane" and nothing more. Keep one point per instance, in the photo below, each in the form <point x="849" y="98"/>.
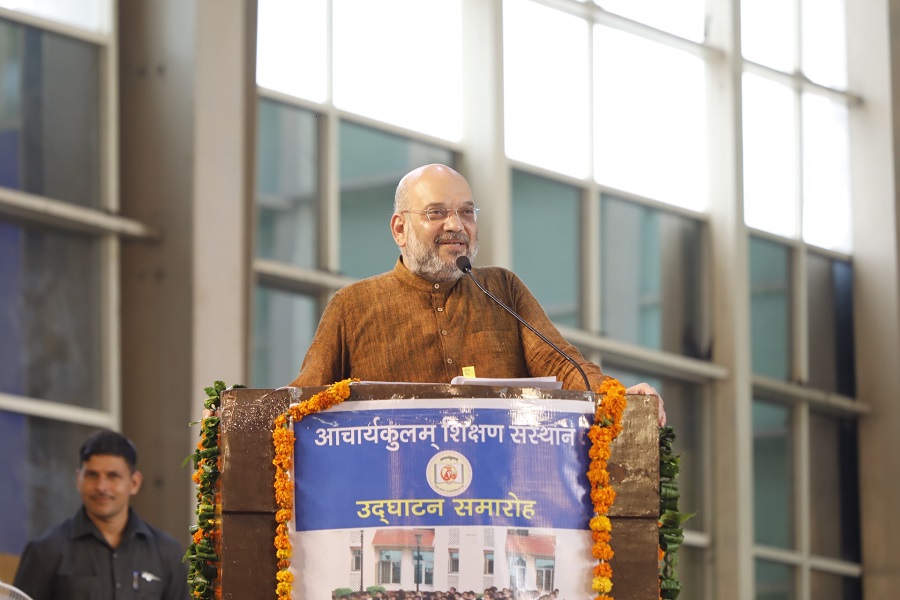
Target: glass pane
<point x="770" y="149"/>
<point x="551" y="271"/>
<point x="383" y="47"/>
<point x="288" y="203"/>
<point x="691" y="571"/>
<point x="827" y="218"/>
<point x="769" y="33"/>
<point x="94" y="15"/>
<point x="372" y="164"/>
<point x="49" y="115"/>
<point x="650" y="119"/>
<point x="286" y="30"/>
<point x="831" y="350"/>
<point x="828" y="586"/>
<point x="834" y="488"/>
<point x="684" y="412"/>
<point x="774" y="581"/>
<point x="824" y="41"/>
<point x="773" y="490"/>
<point x="681" y="17"/>
<point x="546" y="87"/>
<point x="49" y="315"/>
<point x="283" y="328"/>
<point x="40" y="457"/>
<point x="651" y="279"/>
<point x="770" y="308"/>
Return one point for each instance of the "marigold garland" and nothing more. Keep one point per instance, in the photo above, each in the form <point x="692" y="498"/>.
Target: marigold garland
<point x="283" y="440"/>
<point x="607" y="426"/>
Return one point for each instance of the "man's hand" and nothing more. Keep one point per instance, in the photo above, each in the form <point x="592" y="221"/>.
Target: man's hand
<point x="645" y="389"/>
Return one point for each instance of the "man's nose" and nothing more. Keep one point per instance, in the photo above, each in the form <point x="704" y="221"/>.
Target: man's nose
<point x="453" y="222"/>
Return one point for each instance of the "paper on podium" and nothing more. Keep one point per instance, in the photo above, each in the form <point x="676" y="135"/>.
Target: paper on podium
<point x="546" y="383"/>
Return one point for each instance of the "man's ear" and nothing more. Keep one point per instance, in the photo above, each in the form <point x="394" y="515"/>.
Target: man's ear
<point x="398" y="229"/>
<point x="136" y="480"/>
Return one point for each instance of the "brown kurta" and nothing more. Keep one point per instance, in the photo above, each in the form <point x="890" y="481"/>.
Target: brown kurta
<point x="399" y="327"/>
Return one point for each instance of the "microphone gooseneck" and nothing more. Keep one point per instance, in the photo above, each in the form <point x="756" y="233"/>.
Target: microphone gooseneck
<point x="465" y="265"/>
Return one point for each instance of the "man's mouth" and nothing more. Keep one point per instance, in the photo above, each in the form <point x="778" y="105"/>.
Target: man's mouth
<point x="452" y="241"/>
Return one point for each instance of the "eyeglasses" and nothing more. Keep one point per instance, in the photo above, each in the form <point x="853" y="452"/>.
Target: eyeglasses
<point x="468" y="214"/>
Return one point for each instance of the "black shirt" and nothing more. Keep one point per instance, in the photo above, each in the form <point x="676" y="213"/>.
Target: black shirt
<point x="72" y="561"/>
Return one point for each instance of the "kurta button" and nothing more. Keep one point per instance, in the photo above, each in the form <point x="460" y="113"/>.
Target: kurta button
<point x="449" y="361"/>
<point x="443" y="332"/>
<point x="440" y="309"/>
<point x="437" y="286"/>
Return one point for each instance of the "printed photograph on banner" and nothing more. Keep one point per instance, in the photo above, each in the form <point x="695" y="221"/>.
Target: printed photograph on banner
<point x="493" y="562"/>
<point x="437" y="497"/>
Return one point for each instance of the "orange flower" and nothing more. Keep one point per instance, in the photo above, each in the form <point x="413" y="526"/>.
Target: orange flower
<point x="283" y="441"/>
<point x="607" y="426"/>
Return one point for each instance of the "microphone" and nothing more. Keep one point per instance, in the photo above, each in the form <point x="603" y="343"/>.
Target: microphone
<point x="465" y="265"/>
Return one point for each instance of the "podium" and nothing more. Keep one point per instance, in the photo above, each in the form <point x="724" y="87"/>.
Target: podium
<point x="248" y="564"/>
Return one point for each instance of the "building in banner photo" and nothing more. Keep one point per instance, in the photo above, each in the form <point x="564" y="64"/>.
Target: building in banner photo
<point x="435" y="563"/>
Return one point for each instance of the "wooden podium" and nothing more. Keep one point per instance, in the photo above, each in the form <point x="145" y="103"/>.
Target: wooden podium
<point x="248" y="564"/>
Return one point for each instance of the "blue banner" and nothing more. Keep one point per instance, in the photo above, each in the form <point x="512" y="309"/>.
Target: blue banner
<point x="514" y="463"/>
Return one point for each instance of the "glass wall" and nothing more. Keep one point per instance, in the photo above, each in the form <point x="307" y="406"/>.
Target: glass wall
<point x="609" y="134"/>
<point x="49" y="114"/>
<point x="653" y="266"/>
<point x="55" y="316"/>
<point x="550" y="270"/>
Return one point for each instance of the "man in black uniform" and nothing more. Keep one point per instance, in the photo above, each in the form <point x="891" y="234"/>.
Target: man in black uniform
<point x="105" y="551"/>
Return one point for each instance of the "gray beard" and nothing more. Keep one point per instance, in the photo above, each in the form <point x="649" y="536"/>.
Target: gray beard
<point x="422" y="258"/>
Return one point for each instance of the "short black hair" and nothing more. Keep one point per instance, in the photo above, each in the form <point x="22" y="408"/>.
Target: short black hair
<point x="109" y="443"/>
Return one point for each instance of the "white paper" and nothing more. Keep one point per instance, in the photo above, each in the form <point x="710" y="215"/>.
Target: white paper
<point x="546" y="383"/>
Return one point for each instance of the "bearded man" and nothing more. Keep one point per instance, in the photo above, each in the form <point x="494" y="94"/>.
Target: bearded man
<point x="421" y="323"/>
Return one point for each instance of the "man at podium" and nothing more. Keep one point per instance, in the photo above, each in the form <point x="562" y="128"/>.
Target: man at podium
<point x="424" y="322"/>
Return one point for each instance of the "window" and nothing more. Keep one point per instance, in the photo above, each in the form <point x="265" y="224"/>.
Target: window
<point x="288" y="198"/>
<point x="428" y="566"/>
<point x="683" y="17"/>
<point x="93" y="15"/>
<point x="453" y="566"/>
<point x="795" y="133"/>
<point x="774" y="581"/>
<point x="551" y="271"/>
<point x="372" y="163"/>
<point x="652" y="279"/>
<point x="770" y="308"/>
<point x="834" y="487"/>
<point x="423" y="565"/>
<point x="544" y="571"/>
<point x="284" y="325"/>
<point x="58" y="322"/>
<point x="546" y="88"/>
<point x="830" y="325"/>
<point x="355" y="559"/>
<point x="50" y="117"/>
<point x="488" y="563"/>
<point x="773" y="475"/>
<point x="389" y="566"/>
<point x="39" y="458"/>
<point x="645" y="90"/>
<point x="51" y="319"/>
<point x="387" y="32"/>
